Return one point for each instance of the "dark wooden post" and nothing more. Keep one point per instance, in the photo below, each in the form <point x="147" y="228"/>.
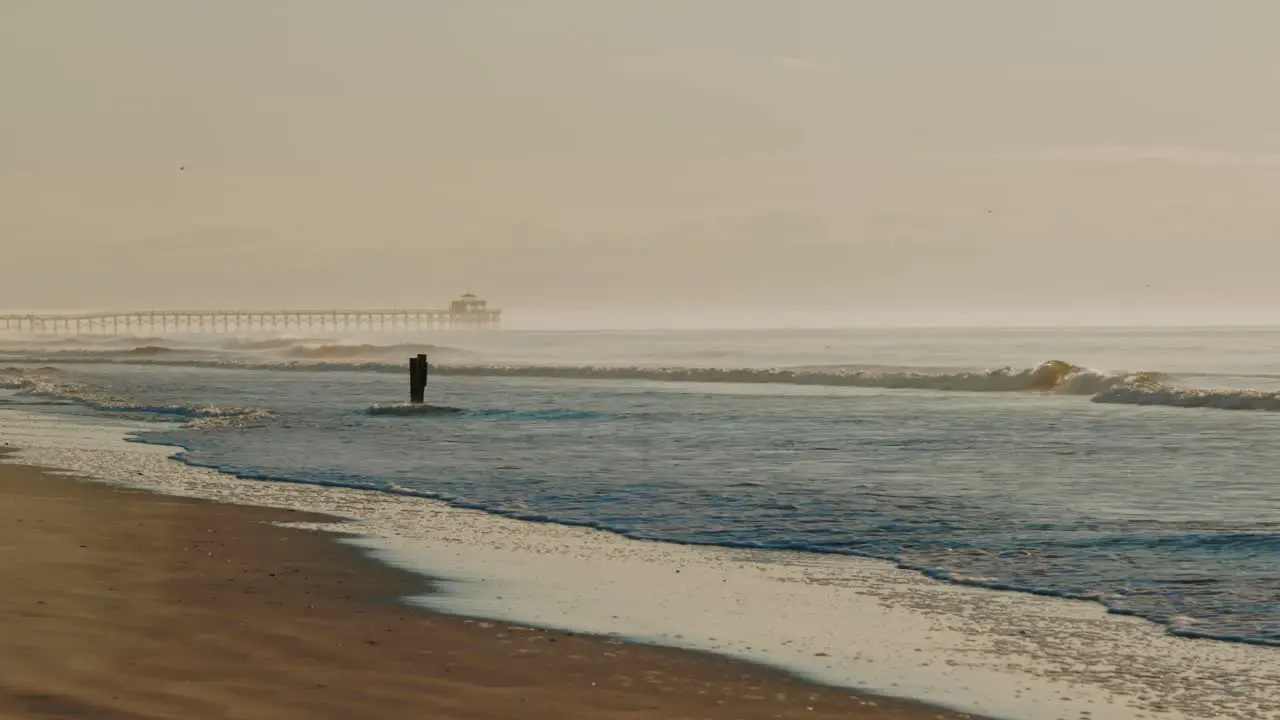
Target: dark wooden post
<point x="416" y="389"/>
<point x="418" y="379"/>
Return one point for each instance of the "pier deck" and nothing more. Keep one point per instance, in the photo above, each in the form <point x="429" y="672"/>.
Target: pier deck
<point x="246" y="321"/>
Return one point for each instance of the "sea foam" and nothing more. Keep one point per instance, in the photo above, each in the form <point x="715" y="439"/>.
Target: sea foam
<point x="841" y="620"/>
<point x="53" y="383"/>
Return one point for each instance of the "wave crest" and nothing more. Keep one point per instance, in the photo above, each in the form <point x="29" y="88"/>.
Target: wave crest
<point x="1168" y="396"/>
<point x="1053" y="376"/>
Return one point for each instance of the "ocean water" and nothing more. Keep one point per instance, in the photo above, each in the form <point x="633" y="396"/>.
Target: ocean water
<point x="1135" y="468"/>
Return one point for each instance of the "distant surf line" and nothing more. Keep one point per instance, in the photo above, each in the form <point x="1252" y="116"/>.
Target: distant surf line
<point x="1140" y="388"/>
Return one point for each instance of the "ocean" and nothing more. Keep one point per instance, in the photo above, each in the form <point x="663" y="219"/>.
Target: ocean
<point x="1131" y="468"/>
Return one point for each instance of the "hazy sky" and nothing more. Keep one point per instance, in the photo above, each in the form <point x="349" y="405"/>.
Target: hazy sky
<point x="610" y="162"/>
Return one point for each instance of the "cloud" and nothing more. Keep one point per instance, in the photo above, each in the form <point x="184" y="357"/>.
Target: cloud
<point x="1151" y="154"/>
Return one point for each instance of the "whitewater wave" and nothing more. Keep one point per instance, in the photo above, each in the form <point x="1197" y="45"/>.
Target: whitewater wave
<point x="1053" y="377"/>
<point x="1169" y="396"/>
<point x="47" y="382"/>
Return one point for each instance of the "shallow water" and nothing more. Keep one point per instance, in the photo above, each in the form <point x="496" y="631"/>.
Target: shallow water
<point x="1169" y="513"/>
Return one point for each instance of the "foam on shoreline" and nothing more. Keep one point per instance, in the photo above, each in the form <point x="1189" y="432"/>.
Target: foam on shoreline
<point x="841" y="620"/>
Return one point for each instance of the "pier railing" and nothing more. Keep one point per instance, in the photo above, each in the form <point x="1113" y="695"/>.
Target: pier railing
<point x="237" y="321"/>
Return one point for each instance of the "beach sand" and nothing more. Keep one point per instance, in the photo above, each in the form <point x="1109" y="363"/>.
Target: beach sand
<point x="125" y="605"/>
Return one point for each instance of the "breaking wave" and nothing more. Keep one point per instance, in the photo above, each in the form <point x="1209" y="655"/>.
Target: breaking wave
<point x="1168" y="396"/>
<point x="1054" y="376"/>
<point x="55" y="384"/>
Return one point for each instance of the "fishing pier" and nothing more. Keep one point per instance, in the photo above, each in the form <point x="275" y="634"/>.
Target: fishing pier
<point x="466" y="313"/>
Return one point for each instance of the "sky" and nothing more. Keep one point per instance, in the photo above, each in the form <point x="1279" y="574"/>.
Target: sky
<point x="653" y="163"/>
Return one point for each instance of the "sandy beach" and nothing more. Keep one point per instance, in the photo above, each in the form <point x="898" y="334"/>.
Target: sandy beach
<point x="122" y="604"/>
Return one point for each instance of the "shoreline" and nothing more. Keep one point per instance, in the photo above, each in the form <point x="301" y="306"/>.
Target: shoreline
<point x="178" y="449"/>
<point x="272" y="621"/>
<point x="1113" y="601"/>
<point x="890" y="631"/>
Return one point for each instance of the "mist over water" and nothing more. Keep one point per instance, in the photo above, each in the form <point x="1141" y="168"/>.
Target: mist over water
<point x="1118" y="366"/>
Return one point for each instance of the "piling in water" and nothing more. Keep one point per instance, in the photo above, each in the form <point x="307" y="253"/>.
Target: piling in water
<point x="418" y="379"/>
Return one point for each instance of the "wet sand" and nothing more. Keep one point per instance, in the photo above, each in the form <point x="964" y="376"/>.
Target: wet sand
<point x="126" y="605"/>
